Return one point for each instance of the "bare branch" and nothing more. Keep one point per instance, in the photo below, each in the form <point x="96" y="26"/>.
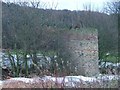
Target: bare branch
<point x="112" y="7"/>
<point x="35" y="4"/>
<point x="23" y="3"/>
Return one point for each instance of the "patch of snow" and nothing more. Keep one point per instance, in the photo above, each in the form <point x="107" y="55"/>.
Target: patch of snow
<point x="1" y="82"/>
<point x="107" y="54"/>
<point x="55" y="79"/>
<point x="89" y="79"/>
<point x="108" y="77"/>
<point x="71" y="78"/>
<point x="28" y="56"/>
<point x="70" y="81"/>
<point x="106" y="64"/>
<point x="26" y="80"/>
<point x="59" y="79"/>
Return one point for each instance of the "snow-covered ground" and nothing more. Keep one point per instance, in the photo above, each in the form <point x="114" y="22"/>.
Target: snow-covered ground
<point x="1" y="82"/>
<point x="26" y="80"/>
<point x="106" y="64"/>
<point x="67" y="80"/>
<point x="72" y="80"/>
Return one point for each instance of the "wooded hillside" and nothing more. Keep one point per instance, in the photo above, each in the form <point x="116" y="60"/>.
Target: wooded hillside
<point x="33" y="28"/>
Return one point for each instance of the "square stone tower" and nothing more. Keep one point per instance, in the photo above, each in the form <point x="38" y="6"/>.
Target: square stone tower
<point x="83" y="48"/>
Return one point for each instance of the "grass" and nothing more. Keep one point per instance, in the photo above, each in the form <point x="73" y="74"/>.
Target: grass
<point x="111" y="58"/>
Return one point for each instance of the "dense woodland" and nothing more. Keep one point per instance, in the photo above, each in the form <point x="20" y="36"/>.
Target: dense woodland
<point x="33" y="28"/>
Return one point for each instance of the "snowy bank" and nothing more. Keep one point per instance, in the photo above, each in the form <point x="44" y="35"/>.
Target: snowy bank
<point x="68" y="81"/>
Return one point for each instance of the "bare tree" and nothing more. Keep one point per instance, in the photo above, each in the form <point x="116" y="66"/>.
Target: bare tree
<point x="88" y="6"/>
<point x="35" y="4"/>
<point x="112" y="7"/>
<point x="25" y="4"/>
<point x="53" y="5"/>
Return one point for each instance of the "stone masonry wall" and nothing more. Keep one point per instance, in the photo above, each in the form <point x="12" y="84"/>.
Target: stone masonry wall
<point x="83" y="48"/>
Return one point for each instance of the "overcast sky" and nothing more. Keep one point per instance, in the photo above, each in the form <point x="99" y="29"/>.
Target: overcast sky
<point x="70" y="4"/>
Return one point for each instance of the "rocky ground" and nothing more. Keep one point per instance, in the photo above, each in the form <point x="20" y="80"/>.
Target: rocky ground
<point x="100" y="81"/>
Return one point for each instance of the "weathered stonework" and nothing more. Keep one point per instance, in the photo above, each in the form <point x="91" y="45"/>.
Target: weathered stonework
<point x="83" y="48"/>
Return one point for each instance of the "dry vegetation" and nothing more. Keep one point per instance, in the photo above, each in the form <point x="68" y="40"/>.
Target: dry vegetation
<point x="40" y="83"/>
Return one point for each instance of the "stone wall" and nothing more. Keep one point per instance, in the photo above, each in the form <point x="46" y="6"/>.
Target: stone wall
<point x="83" y="48"/>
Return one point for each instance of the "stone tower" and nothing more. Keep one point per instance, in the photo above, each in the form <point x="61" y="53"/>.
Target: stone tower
<point x="83" y="48"/>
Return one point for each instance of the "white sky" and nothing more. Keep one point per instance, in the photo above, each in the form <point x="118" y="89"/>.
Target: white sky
<point x="70" y="4"/>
